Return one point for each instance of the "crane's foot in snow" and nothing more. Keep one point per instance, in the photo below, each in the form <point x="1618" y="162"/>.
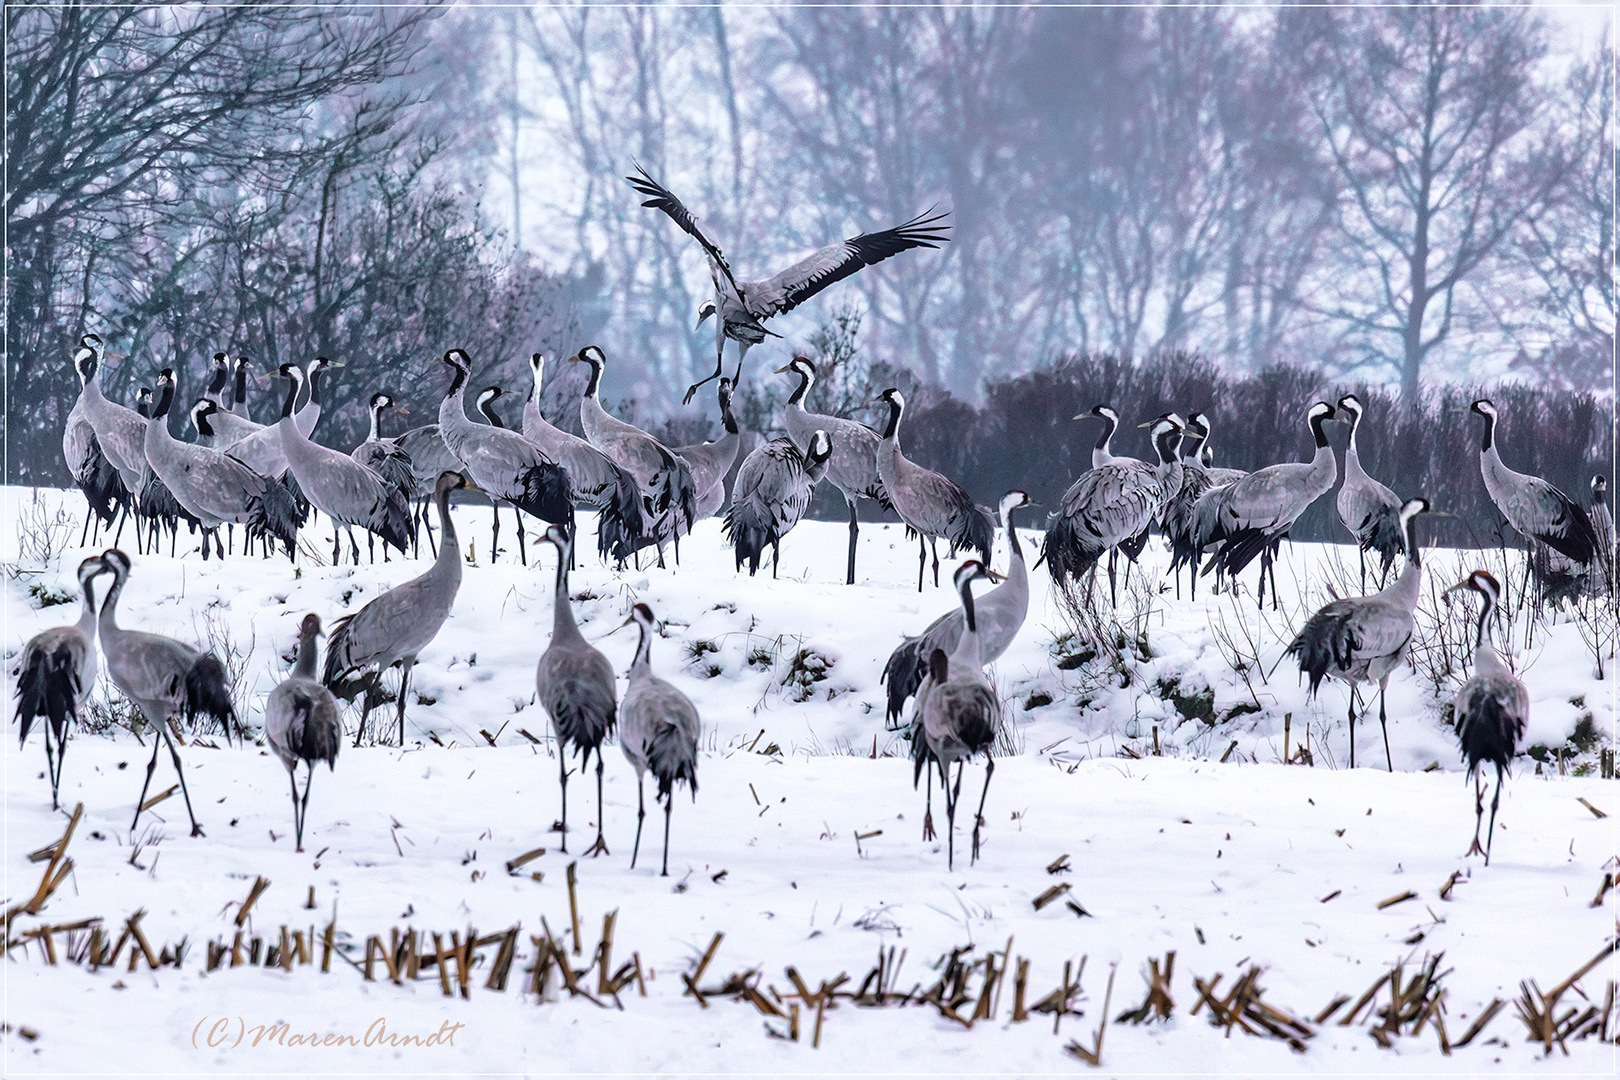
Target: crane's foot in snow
<point x="598" y="848"/>
<point x="928" y="826"/>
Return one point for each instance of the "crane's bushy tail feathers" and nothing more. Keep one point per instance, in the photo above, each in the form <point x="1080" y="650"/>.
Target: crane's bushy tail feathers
<point x="300" y="501"/>
<point x="102" y="486"/>
<point x="1382" y="533"/>
<point x="208" y="693"/>
<point x="903" y="674"/>
<point x="1067" y="559"/>
<point x="395" y="527"/>
<point x="1238" y="550"/>
<point x="47" y="686"/>
<point x="319" y="741"/>
<point x="749" y="535"/>
<point x="275" y="514"/>
<point x="1579" y="541"/>
<point x="1485" y="732"/>
<point x="620" y="526"/>
<point x="670" y="759"/>
<point x="1323" y="643"/>
<point x="546" y="494"/>
<point x="337" y="657"/>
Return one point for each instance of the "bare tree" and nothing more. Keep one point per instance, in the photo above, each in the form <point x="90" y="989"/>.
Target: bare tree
<point x="1425" y="117"/>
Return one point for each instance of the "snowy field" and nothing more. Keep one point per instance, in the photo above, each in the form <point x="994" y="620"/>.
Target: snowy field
<point x="1160" y="777"/>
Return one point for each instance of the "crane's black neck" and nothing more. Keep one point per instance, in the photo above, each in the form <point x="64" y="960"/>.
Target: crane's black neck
<point x="644" y="646"/>
<point x="165" y="398"/>
<point x="458" y="379"/>
<point x="1166" y="443"/>
<point x="87" y="368"/>
<point x="1409" y="533"/>
<point x="295" y="380"/>
<point x="1319" y="429"/>
<point x="1012" y="534"/>
<point x="447" y="526"/>
<point x="316" y="374"/>
<point x="1109" y="426"/>
<point x="893" y="428"/>
<point x="729" y="421"/>
<point x="1485" y="610"/>
<point x="565" y="555"/>
<point x="939" y="666"/>
<point x="109" y="606"/>
<point x="805" y="379"/>
<point x="204" y="428"/>
<point x="1490" y="432"/>
<point x="241" y="383"/>
<point x="376" y="422"/>
<point x="1191" y="444"/>
<point x="1355" y="426"/>
<point x="487" y="407"/>
<point x="222" y="375"/>
<point x="595" y="383"/>
<point x="967" y="607"/>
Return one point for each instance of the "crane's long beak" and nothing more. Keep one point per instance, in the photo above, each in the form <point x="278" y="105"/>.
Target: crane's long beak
<point x="572" y="359"/>
<point x="783" y="370"/>
<point x="400" y="408"/>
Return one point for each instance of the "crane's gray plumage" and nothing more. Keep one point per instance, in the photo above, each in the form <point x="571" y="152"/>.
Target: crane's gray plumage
<point x="930" y="504"/>
<point x="574" y="682"/>
<point x="340" y="487"/>
<point x="659" y="730"/>
<point x="214" y="486"/>
<point x="260" y="452"/>
<point x="1365" y="638"/>
<point x="1491" y="710"/>
<point x="503" y="463"/>
<point x="385" y="457"/>
<point x="120" y="431"/>
<point x="957" y="714"/>
<point x="399" y="624"/>
<point x="301" y="722"/>
<point x="598" y="483"/>
<point x="743" y="306"/>
<point x="1251" y="515"/>
<point x="665" y="481"/>
<point x="711" y="461"/>
<point x="164" y="678"/>
<point x="1179" y="517"/>
<point x="1000" y="614"/>
<point x="853" y="468"/>
<point x="772" y="493"/>
<point x="1112" y="504"/>
<point x="1371" y="511"/>
<point x="55" y="673"/>
<point x="1537" y="511"/>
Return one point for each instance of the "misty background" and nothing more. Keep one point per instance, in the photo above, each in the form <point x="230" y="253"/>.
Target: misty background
<point x="1234" y="210"/>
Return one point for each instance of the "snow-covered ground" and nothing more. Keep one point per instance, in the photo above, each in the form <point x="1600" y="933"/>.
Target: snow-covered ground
<point x="803" y="845"/>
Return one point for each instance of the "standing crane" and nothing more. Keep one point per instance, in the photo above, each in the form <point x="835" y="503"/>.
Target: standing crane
<point x="1000" y="614"/>
<point x="711" y="461"/>
<point x="89" y="466"/>
<point x="119" y="431"/>
<point x="502" y="463"/>
<point x="665" y="481"/>
<point x="574" y="682"/>
<point x="1367" y="508"/>
<point x="1365" y="638"/>
<point x="853" y="469"/>
<point x="659" y="729"/>
<point x="301" y="723"/>
<point x="1251" y="515"/>
<point x="957" y="713"/>
<point x="164" y="678"/>
<point x="1491" y="710"/>
<point x="741" y="308"/>
<point x="399" y="624"/>
<point x="772" y="493"/>
<point x="597" y="482"/>
<point x="56" y="674"/>
<point x="930" y="504"/>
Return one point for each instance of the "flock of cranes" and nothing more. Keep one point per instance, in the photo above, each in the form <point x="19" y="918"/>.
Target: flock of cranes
<point x="271" y="478"/>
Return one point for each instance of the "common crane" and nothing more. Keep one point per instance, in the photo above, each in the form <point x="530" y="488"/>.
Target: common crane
<point x="596" y="480"/>
<point x="239" y="389"/>
<point x="214" y="486"/>
<point x="93" y="473"/>
<point x="120" y="431"/>
<point x="164" y="678"/>
<point x="55" y="675"/>
<point x="397" y="625"/>
<point x="339" y="486"/>
<point x="772" y="492"/>
<point x="1367" y="508"/>
<point x="958" y="712"/>
<point x="574" y="682"/>
<point x="1364" y="638"/>
<point x="1534" y="508"/>
<point x="665" y="480"/>
<point x="1218" y="477"/>
<point x="659" y="729"/>
<point x="711" y="461"/>
<point x="1000" y="614"/>
<point x="502" y="463"/>
<point x="1491" y="710"/>
<point x="485" y="404"/>
<point x="1251" y="515"/>
<point x="301" y="723"/>
<point x="930" y="504"/>
<point x="853" y="468"/>
<point x="1111" y="504"/>
<point x="743" y="306"/>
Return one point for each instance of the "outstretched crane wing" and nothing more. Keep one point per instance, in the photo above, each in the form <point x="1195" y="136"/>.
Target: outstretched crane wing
<point x="805" y="278"/>
<point x="661" y="197"/>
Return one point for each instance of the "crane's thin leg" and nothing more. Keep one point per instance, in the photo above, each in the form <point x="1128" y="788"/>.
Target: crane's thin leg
<point x="337" y="550"/>
<point x="933" y="542"/>
<point x="303" y="811"/>
<point x="230" y="536"/>
<point x="600" y="847"/>
<point x="922" y="559"/>
<point x="404" y="683"/>
<point x="298" y="821"/>
<point x="1362" y="553"/>
<point x="1261" y="600"/>
<point x="562" y="771"/>
<point x="50" y="765"/>
<point x="1383" y="723"/>
<point x="1490" y="832"/>
<point x="978" y="818"/>
<point x="854" y="536"/>
<point x="495" y="512"/>
<point x="119" y="534"/>
<point x="196" y="829"/>
<point x="371" y="546"/>
<point x="1271" y="566"/>
<point x="776" y="556"/>
<point x="523" y="552"/>
<point x="952" y="797"/>
<point x="641" y="813"/>
<point x="1479" y="814"/>
<point x="928" y="815"/>
<point x="151" y="766"/>
<point x="354" y="547"/>
<point x="669" y="806"/>
<point x="84" y="537"/>
<point x="1352" y="723"/>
